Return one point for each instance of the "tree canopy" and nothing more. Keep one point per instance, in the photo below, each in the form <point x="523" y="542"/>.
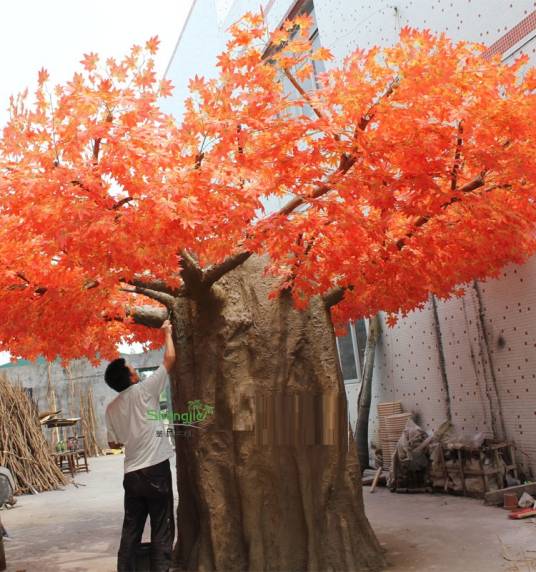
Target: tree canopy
<point x="409" y="170"/>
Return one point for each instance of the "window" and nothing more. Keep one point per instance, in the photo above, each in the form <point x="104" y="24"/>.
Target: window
<point x="318" y="67"/>
<point x="351" y="348"/>
<point x="347" y="357"/>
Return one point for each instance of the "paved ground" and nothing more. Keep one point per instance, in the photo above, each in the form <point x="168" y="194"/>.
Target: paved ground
<point x="77" y="529"/>
<point x="73" y="530"/>
<point x="443" y="533"/>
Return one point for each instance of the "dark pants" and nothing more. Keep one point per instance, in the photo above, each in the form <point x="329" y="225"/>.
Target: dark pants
<point x="148" y="491"/>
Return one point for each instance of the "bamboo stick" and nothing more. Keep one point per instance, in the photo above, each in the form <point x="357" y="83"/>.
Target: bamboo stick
<point x="23" y="448"/>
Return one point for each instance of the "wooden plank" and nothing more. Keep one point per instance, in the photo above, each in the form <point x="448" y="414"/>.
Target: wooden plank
<point x="496" y="497"/>
<point x="375" y="481"/>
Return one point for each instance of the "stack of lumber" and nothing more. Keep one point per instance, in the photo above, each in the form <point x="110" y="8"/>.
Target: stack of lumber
<point x="89" y="424"/>
<point x="396" y="424"/>
<point x="392" y="424"/>
<point x="23" y="448"/>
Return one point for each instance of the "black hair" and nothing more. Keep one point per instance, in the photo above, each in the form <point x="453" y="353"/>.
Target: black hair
<point x="117" y="375"/>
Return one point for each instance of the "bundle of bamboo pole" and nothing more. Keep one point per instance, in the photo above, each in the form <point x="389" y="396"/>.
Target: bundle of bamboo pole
<point x="89" y="423"/>
<point x="23" y="448"/>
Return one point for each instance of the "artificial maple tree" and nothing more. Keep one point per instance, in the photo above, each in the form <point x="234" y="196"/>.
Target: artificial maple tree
<point x="411" y="173"/>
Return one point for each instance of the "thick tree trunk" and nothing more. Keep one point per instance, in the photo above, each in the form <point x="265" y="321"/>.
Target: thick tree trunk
<point x="272" y="481"/>
<point x="365" y="395"/>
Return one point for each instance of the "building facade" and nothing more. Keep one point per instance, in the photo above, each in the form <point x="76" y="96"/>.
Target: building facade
<point x="474" y="357"/>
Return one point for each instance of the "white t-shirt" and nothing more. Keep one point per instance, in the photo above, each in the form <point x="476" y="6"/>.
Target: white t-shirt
<point x="128" y="422"/>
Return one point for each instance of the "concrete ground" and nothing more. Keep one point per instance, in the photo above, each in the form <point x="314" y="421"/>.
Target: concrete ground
<point x="444" y="533"/>
<point x="78" y="529"/>
<point x="71" y="530"/>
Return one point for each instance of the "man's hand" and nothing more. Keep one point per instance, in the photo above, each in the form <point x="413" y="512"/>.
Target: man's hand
<point x="167" y="327"/>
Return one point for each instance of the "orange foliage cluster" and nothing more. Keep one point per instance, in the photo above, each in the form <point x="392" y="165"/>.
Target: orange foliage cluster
<point x="414" y="174"/>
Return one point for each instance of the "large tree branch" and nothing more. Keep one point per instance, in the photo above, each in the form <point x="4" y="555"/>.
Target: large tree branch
<point x="156" y="285"/>
<point x="216" y="271"/>
<point x="191" y="272"/>
<point x="334" y="296"/>
<point x="161" y="297"/>
<point x="149" y="316"/>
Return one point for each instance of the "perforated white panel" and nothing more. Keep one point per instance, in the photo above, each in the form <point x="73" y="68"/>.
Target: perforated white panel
<point x="407" y="369"/>
<point x="510" y="315"/>
<point x="346" y="25"/>
<point x="488" y="338"/>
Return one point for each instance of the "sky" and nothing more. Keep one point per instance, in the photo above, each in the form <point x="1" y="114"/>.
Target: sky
<point x="55" y="34"/>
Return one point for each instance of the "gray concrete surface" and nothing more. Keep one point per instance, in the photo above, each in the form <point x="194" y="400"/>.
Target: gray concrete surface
<point x="78" y="529"/>
<point x="444" y="533"/>
<point x="71" y="530"/>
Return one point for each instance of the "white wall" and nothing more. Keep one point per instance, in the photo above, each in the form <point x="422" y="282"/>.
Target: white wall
<point x="195" y="53"/>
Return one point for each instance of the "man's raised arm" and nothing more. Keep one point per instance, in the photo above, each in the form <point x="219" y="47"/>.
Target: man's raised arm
<point x="169" y="351"/>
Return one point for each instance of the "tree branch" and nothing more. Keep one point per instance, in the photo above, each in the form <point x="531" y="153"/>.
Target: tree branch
<point x="89" y="284"/>
<point x="96" y="149"/>
<point x="156" y="285"/>
<point x="122" y="202"/>
<point x="98" y="140"/>
<point x="304" y="94"/>
<point x="334" y="296"/>
<point x="369" y="115"/>
<point x="457" y="155"/>
<point x="234" y="260"/>
<point x="346" y="163"/>
<point x="149" y="316"/>
<point x="476" y="183"/>
<point x="161" y="297"/>
<point x="216" y="271"/>
<point x="191" y="271"/>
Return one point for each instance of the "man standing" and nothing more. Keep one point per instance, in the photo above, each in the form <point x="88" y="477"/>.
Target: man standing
<point x="147" y="480"/>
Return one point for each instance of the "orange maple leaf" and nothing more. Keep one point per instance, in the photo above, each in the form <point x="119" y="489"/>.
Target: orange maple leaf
<point x="152" y="45"/>
<point x="90" y="61"/>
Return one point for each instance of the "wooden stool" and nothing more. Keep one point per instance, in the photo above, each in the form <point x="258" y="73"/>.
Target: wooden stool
<point x="80" y="455"/>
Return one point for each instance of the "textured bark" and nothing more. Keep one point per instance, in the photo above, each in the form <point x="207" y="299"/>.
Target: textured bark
<point x="244" y="505"/>
<point x="365" y="395"/>
<point x="148" y="315"/>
